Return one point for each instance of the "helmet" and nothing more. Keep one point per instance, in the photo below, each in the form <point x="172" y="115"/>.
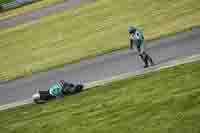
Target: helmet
<point x="131" y="29"/>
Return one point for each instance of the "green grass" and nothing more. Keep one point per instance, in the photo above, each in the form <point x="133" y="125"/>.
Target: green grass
<point x="5" y="1"/>
<point x="27" y="8"/>
<point x="94" y="29"/>
<point x="159" y="102"/>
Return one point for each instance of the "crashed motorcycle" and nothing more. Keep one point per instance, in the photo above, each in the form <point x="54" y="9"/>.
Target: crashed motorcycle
<point x="64" y="88"/>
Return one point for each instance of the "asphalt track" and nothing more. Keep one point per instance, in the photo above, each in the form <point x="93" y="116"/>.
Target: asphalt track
<point x="105" y="66"/>
<point x="32" y="17"/>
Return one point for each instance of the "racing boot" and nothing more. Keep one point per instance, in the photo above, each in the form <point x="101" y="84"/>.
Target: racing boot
<point x="150" y="60"/>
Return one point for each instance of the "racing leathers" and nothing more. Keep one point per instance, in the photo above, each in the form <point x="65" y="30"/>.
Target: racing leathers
<point x="137" y="38"/>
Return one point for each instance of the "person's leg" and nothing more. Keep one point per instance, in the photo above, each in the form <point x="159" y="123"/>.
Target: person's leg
<point x="142" y="55"/>
<point x="131" y="44"/>
<point x="68" y="88"/>
<point x="148" y="58"/>
<point x="151" y="60"/>
<point x="79" y="88"/>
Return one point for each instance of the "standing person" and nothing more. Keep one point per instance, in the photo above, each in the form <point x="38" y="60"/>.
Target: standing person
<point x="136" y="37"/>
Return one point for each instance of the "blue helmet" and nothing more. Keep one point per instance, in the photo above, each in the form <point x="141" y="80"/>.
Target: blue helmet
<point x="131" y="29"/>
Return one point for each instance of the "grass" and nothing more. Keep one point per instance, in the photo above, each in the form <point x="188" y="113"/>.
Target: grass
<point x="93" y="29"/>
<point x="5" y="1"/>
<point x="159" y="102"/>
<point x="27" y="8"/>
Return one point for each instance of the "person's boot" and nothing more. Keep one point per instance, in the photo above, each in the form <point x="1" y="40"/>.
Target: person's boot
<point x="151" y="61"/>
<point x="143" y="59"/>
<point x="145" y="66"/>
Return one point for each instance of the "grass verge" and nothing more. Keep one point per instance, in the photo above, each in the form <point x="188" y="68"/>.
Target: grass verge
<point x="88" y="31"/>
<point x="164" y="101"/>
<point x="5" y="1"/>
<point x="28" y="8"/>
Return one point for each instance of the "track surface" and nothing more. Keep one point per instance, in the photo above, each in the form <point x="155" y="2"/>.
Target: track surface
<point x="35" y="15"/>
<point x="183" y="44"/>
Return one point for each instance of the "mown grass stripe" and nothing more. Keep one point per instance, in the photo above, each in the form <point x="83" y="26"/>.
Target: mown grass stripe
<point x="162" y="101"/>
<point x="89" y="31"/>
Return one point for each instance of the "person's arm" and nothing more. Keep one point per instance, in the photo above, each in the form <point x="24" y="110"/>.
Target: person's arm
<point x="131" y="41"/>
<point x="131" y="44"/>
